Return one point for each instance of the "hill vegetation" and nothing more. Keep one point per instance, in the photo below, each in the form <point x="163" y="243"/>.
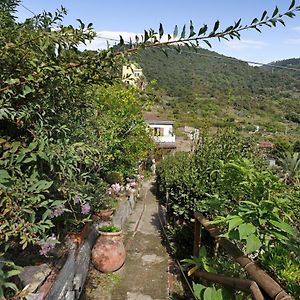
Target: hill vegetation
<point x="205" y="87"/>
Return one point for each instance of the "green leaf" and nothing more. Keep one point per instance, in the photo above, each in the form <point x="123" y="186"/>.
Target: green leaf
<point x="121" y="42"/>
<point x="146" y="36"/>
<point x="292" y="4"/>
<point x="207" y="43"/>
<point x="228" y="29"/>
<point x="182" y="36"/>
<point x="290" y="14"/>
<point x="275" y="12"/>
<point x="27" y="90"/>
<point x="284" y="227"/>
<point x="202" y="252"/>
<point x="175" y="33"/>
<point x="161" y="31"/>
<point x="192" y="32"/>
<point x="13" y="273"/>
<point x="165" y="52"/>
<point x="4" y="176"/>
<point x="237" y="24"/>
<point x="198" y="290"/>
<point x="253" y="243"/>
<point x="219" y="294"/>
<point x="192" y="270"/>
<point x="254" y="21"/>
<point x="216" y="26"/>
<point x="257" y="29"/>
<point x="203" y="30"/>
<point x="81" y="23"/>
<point x="245" y="230"/>
<point x="10" y="285"/>
<point x="263" y="15"/>
<point x="234" y="222"/>
<point x="209" y="293"/>
<point x="40" y="186"/>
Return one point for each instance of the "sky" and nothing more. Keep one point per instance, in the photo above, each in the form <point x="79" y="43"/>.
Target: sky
<point x="112" y="18"/>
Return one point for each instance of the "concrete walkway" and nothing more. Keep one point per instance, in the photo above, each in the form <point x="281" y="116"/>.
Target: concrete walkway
<point x="144" y="275"/>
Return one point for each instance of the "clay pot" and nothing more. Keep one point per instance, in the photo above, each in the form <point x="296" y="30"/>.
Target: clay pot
<point x="78" y="238"/>
<point x="103" y="215"/>
<point x="108" y="253"/>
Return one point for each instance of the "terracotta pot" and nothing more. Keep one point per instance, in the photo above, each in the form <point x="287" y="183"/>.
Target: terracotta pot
<point x="79" y="237"/>
<point x="103" y="214"/>
<point x="108" y="253"/>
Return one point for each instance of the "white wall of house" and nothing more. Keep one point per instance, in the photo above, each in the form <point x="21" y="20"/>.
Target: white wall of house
<point x="163" y="133"/>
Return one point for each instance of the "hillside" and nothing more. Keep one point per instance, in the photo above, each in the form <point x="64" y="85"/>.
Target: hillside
<point x="206" y="88"/>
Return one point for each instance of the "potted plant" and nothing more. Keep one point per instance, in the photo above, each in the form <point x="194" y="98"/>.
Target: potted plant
<point x="105" y="209"/>
<point x="108" y="254"/>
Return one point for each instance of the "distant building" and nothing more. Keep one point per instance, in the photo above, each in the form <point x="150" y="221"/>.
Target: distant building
<point x="162" y="131"/>
<point x="191" y="132"/>
<point x="133" y="74"/>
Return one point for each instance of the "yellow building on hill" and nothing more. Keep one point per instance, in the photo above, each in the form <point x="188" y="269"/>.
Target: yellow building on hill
<point x="133" y="74"/>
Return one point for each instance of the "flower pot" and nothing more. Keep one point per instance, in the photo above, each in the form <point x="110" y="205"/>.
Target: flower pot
<point x="108" y="253"/>
<point x="103" y="214"/>
<point x="78" y="237"/>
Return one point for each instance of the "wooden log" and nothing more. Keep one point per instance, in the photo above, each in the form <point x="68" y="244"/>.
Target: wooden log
<point x="268" y="284"/>
<point x="197" y="238"/>
<point x="245" y="285"/>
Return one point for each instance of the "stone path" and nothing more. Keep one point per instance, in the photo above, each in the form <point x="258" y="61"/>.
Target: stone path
<point x="144" y="275"/>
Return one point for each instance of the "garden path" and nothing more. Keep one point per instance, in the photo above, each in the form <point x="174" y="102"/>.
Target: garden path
<point x="144" y="275"/>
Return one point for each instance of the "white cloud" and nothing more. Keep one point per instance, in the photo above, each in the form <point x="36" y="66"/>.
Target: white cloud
<point x="240" y="45"/>
<point x="111" y="37"/>
<point x="292" y="41"/>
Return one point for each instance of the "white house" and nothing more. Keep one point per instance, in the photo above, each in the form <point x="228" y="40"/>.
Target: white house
<point x="162" y="131"/>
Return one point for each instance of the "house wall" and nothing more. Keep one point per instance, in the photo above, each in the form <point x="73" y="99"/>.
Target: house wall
<point x="131" y="73"/>
<point x="165" y="133"/>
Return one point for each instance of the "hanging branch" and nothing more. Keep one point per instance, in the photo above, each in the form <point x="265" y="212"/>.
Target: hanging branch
<point x="189" y="38"/>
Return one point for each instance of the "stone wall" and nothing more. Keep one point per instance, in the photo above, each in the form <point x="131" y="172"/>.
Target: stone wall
<point x="67" y="283"/>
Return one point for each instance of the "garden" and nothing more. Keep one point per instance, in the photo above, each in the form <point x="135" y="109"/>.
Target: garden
<point x="228" y="181"/>
<point x="72" y="137"/>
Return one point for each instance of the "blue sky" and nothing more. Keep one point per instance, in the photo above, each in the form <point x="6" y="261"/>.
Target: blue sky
<point x="110" y="18"/>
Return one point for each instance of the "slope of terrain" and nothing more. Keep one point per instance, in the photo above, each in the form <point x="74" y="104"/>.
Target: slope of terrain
<point x="206" y="88"/>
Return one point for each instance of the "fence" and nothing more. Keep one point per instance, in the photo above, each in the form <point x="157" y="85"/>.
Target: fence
<point x="260" y="279"/>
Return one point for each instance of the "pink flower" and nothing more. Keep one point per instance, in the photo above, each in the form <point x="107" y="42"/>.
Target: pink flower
<point x="48" y="245"/>
<point x="58" y="211"/>
<point x="85" y="208"/>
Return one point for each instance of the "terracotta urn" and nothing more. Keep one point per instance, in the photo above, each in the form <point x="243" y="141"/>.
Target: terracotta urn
<point x="108" y="254"/>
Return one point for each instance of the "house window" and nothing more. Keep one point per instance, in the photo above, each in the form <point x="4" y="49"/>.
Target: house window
<point x="158" y="131"/>
<point x="137" y="74"/>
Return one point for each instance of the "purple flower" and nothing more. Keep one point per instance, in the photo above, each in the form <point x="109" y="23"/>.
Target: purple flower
<point x="85" y="208"/>
<point x="57" y="211"/>
<point x="116" y="188"/>
<point x="133" y="184"/>
<point x="48" y="245"/>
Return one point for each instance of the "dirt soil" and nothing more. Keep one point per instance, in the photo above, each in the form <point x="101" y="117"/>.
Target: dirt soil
<point x="144" y="275"/>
